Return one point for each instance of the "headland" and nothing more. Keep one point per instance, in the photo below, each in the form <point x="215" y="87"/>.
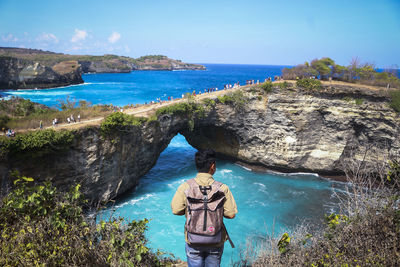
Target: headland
<point x="22" y="68"/>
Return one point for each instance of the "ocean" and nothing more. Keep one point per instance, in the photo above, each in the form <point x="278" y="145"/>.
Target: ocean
<point x="269" y="204"/>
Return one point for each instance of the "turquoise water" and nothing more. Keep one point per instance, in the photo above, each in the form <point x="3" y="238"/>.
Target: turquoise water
<point x="144" y="86"/>
<point x="267" y="203"/>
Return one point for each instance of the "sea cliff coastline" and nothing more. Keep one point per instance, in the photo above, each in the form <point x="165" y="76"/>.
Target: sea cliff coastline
<point x="288" y="128"/>
<point x="22" y="68"/>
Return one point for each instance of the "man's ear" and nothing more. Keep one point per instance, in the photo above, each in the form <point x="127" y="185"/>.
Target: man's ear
<point x="212" y="168"/>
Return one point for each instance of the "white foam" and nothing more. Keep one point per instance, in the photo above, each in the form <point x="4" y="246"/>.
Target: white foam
<point x="302" y="174"/>
<point x="247" y="169"/>
<point x="173" y="185"/>
<point x="136" y="200"/>
<point x="260" y="184"/>
<point x="224" y="171"/>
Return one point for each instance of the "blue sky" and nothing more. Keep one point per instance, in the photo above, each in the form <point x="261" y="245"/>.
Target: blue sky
<point x="246" y="32"/>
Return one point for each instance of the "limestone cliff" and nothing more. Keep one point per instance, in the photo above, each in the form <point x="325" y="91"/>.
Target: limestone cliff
<point x="105" y="166"/>
<point x="287" y="129"/>
<point x="295" y="130"/>
<point x="21" y="73"/>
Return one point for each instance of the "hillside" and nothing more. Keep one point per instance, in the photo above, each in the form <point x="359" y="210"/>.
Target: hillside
<point x="100" y="64"/>
<point x="22" y="68"/>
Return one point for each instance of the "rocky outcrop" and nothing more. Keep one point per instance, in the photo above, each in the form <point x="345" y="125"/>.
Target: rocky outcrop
<point x="163" y="63"/>
<point x="20" y="73"/>
<point x="106" y="66"/>
<point x="297" y="130"/>
<point x="289" y="130"/>
<point x="32" y="68"/>
<point x="105" y="166"/>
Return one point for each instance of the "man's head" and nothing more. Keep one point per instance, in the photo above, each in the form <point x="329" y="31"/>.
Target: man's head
<point x="205" y="161"/>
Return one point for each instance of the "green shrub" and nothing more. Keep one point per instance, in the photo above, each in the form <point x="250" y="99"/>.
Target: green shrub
<point x="3" y="121"/>
<point x="182" y="109"/>
<point x="267" y="87"/>
<point x="283" y="85"/>
<point x="41" y="226"/>
<point x="210" y="103"/>
<point x="36" y="143"/>
<point x="359" y="101"/>
<point x="119" y="121"/>
<point x="309" y="84"/>
<point x="395" y="100"/>
<point x="188" y="109"/>
<point x="393" y="176"/>
<point x="236" y="98"/>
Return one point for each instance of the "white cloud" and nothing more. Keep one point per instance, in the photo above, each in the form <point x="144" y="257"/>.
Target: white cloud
<point x="114" y="37"/>
<point x="79" y="35"/>
<point x="9" y="38"/>
<point x="47" y="37"/>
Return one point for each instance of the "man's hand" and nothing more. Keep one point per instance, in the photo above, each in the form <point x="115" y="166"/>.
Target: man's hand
<point x="230" y="217"/>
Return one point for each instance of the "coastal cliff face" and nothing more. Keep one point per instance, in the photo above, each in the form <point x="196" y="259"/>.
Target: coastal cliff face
<point x="163" y="63"/>
<point x="106" y="66"/>
<point x="301" y="131"/>
<point x="105" y="166"/>
<point x="289" y="130"/>
<point x="32" y="68"/>
<point x="20" y="73"/>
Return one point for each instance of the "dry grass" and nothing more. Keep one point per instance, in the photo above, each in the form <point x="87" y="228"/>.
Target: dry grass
<point x="32" y="121"/>
<point x="366" y="232"/>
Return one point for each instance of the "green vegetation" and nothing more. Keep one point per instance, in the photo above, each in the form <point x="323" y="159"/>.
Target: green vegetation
<point x="236" y="98"/>
<point x="41" y="226"/>
<point x="267" y="87"/>
<point x="366" y="232"/>
<point x="282" y="85"/>
<point x="20" y="107"/>
<point x="151" y="58"/>
<point x="209" y="103"/>
<point x="18" y="113"/>
<point x="325" y="68"/>
<point x="119" y="122"/>
<point x="189" y="110"/>
<point x="36" y="143"/>
<point x="309" y="84"/>
<point x="359" y="101"/>
<point x="395" y="100"/>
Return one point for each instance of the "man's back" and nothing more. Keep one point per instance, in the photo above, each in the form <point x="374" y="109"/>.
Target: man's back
<point x="189" y="195"/>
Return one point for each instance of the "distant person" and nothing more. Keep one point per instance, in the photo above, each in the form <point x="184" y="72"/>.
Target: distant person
<point x="72" y="118"/>
<point x="69" y="120"/>
<point x="79" y="117"/>
<point x="204" y="202"/>
<point x="41" y="124"/>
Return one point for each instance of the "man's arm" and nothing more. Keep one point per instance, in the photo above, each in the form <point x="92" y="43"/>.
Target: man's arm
<point x="178" y="203"/>
<point x="230" y="208"/>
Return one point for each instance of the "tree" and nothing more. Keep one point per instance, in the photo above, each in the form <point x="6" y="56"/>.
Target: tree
<point x="67" y="103"/>
<point x="323" y="66"/>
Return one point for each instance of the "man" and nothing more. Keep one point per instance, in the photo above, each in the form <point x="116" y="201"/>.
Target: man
<point x="204" y="248"/>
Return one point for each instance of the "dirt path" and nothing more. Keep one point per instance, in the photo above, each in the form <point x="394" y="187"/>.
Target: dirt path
<point x="150" y="109"/>
<point x="142" y="111"/>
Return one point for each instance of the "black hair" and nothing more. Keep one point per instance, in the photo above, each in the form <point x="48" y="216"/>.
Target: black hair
<point x="204" y="159"/>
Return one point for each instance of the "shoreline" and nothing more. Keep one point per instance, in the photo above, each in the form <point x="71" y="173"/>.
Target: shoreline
<point x="289" y="172"/>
